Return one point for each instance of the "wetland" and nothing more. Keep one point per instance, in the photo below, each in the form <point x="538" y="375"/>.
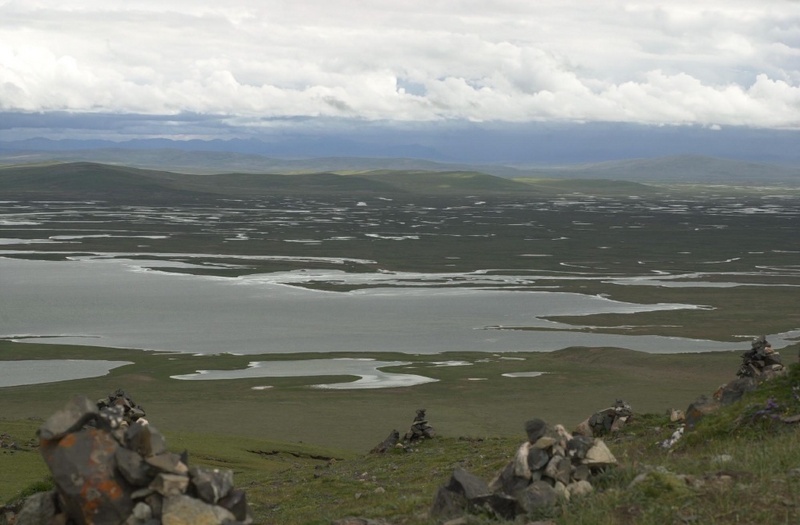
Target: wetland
<point x="249" y="302"/>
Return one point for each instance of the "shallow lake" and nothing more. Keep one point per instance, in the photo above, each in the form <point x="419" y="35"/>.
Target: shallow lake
<point x="117" y="303"/>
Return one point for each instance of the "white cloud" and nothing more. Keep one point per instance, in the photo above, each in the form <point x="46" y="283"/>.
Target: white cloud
<point x="731" y="62"/>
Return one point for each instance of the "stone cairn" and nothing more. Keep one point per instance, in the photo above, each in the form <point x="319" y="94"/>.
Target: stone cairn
<point x="760" y="361"/>
<point x="549" y="467"/>
<point x="607" y="421"/>
<point x="420" y="430"/>
<point x="110" y="466"/>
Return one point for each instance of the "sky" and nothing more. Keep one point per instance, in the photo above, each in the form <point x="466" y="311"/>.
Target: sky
<point x="195" y="69"/>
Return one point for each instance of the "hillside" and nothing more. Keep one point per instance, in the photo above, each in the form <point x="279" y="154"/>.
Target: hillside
<point x="683" y="169"/>
<point x="739" y="465"/>
<point x="85" y="180"/>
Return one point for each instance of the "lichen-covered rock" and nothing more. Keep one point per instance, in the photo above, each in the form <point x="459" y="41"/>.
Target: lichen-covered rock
<point x="85" y="475"/>
<point x="110" y="466"/>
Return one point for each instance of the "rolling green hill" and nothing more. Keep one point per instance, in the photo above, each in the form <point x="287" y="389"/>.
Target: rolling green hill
<point x="85" y="180"/>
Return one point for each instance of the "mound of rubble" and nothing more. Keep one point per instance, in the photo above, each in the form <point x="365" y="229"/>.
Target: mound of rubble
<point x="419" y="431"/>
<point x="760" y="363"/>
<point x="110" y="466"/>
<point x="551" y="465"/>
<point x="607" y="421"/>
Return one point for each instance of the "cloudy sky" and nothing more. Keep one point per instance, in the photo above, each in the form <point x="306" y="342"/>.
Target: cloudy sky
<point x="201" y="69"/>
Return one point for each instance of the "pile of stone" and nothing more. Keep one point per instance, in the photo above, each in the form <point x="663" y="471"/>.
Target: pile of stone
<point x="110" y="466"/>
<point x="130" y="410"/>
<point x="420" y="430"/>
<point x="760" y="363"/>
<point x="761" y="360"/>
<point x="607" y="421"/>
<point x="551" y="466"/>
<point x="6" y="441"/>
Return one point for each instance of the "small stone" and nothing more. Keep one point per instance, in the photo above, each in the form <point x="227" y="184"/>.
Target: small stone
<point x="142" y="493"/>
<point x="578" y="446"/>
<point x="736" y="389"/>
<point x="156" y="502"/>
<point x="185" y="510"/>
<point x="521" y="467"/>
<point x="132" y="467"/>
<point x="448" y="504"/>
<point x="507" y="482"/>
<point x="537" y="459"/>
<point x="535" y="428"/>
<point x="391" y="441"/>
<point x="539" y="495"/>
<point x="722" y="458"/>
<point x="551" y="470"/>
<point x="676" y="415"/>
<point x="583" y="429"/>
<point x="467" y="484"/>
<point x="545" y="442"/>
<point x="563" y="470"/>
<point x="39" y="508"/>
<point x="463" y="520"/>
<point x="170" y="484"/>
<point x="211" y="484"/>
<point x="599" y="455"/>
<point x="579" y="488"/>
<point x="581" y="472"/>
<point x="236" y="503"/>
<point x="168" y="462"/>
<point x="700" y="408"/>
<point x="561" y="490"/>
<point x="503" y="505"/>
<point x="114" y="416"/>
<point x="137" y="439"/>
<point x="142" y="511"/>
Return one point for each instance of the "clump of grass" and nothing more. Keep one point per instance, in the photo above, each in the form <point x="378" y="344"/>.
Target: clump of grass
<point x="36" y="487"/>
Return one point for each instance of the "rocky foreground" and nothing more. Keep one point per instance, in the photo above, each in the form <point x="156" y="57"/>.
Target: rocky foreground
<point x="110" y="466"/>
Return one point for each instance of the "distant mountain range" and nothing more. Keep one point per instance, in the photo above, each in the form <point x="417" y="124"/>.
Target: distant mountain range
<point x="666" y="170"/>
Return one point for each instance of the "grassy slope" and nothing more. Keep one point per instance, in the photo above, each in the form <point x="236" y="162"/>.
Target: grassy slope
<point x="736" y="467"/>
<point x="578" y="382"/>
